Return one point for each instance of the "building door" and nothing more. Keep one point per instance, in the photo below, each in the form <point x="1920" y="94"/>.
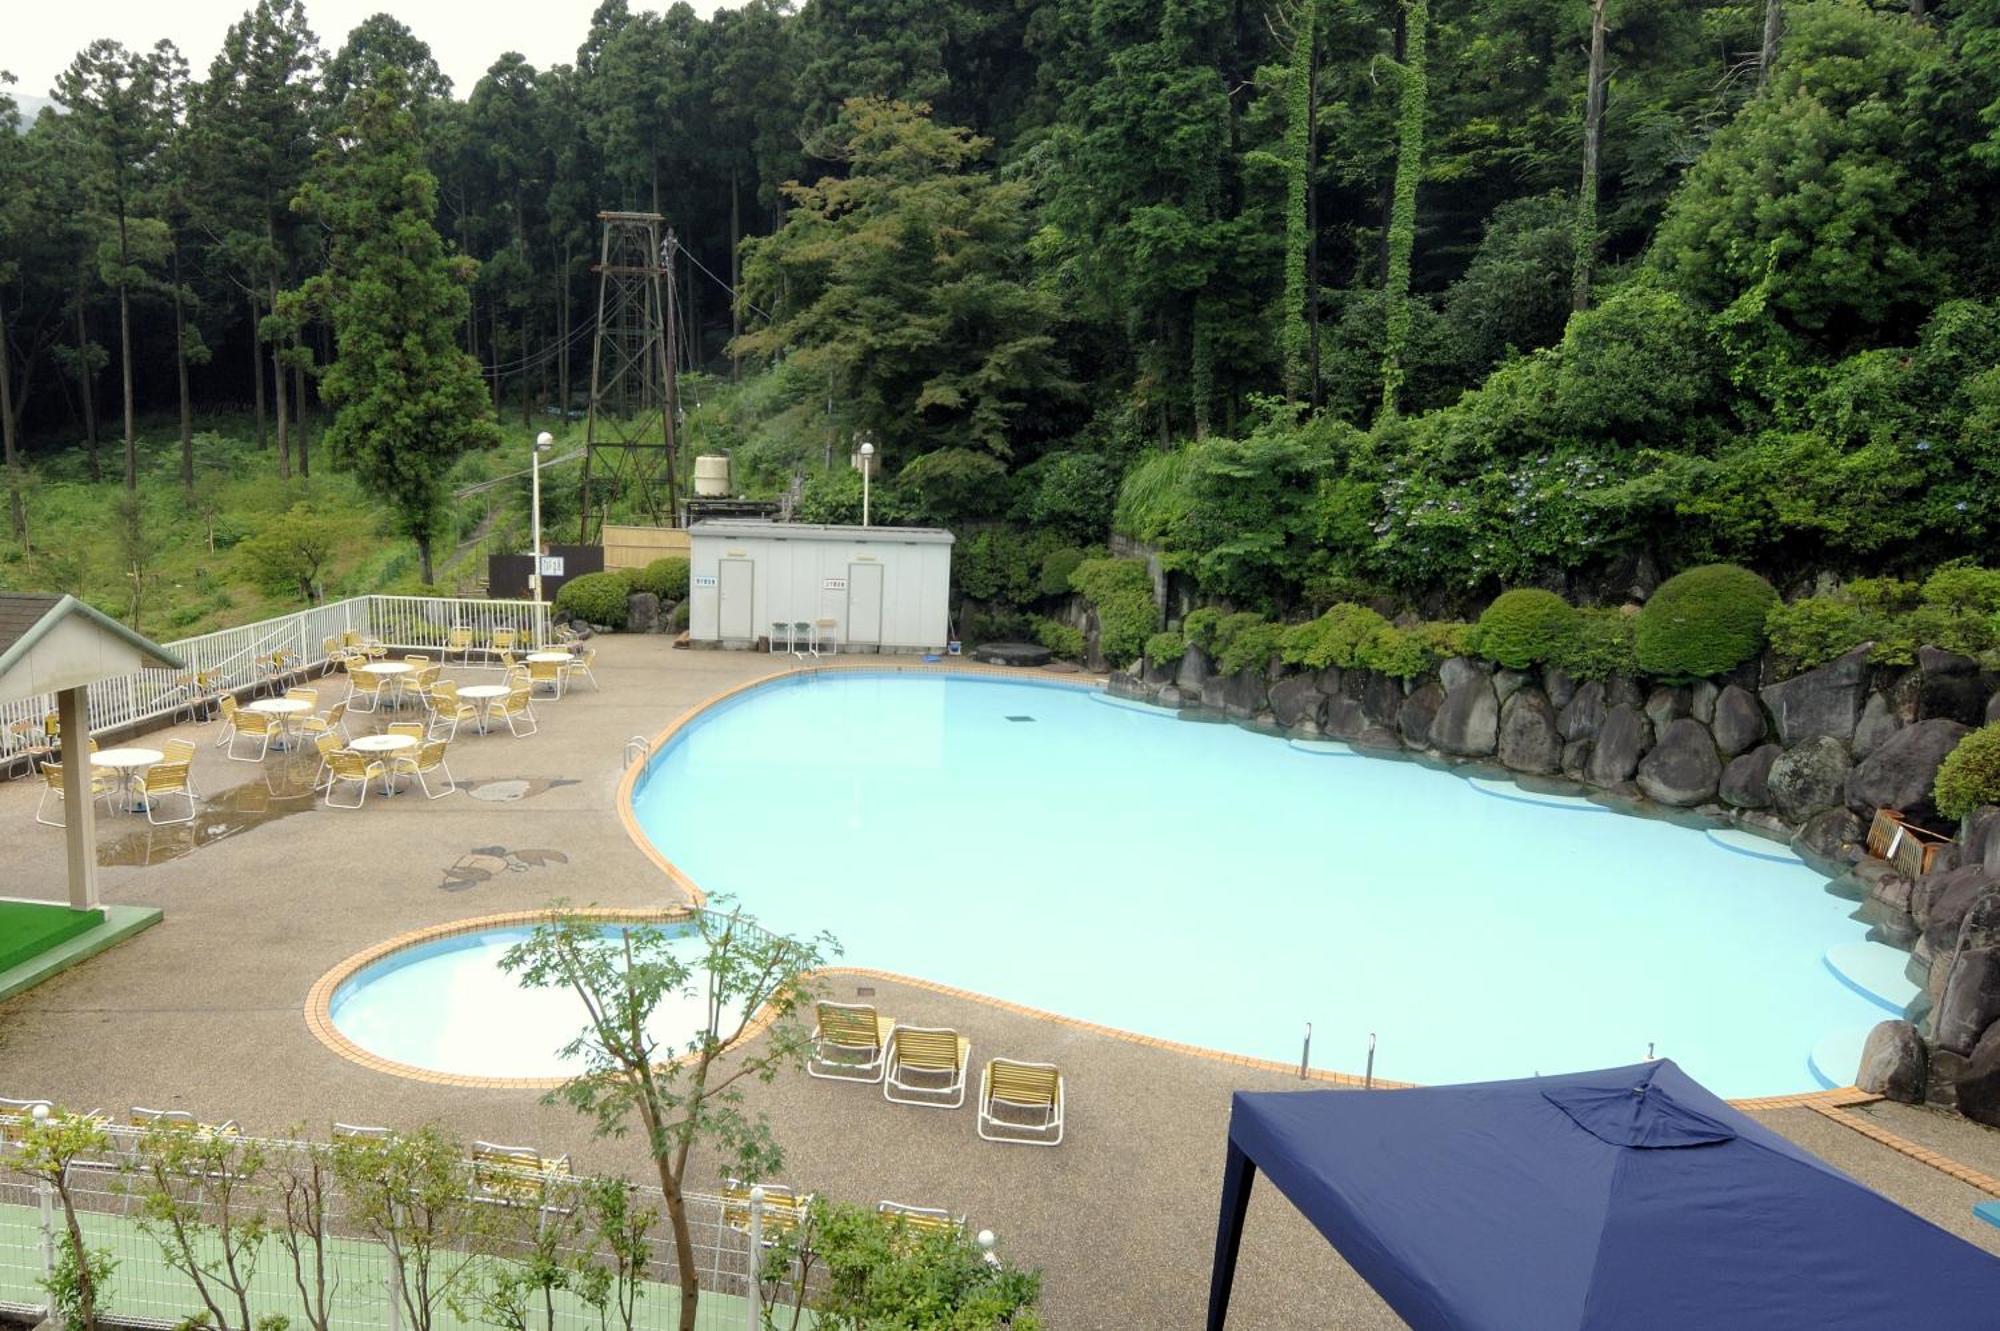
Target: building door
<point x="735" y="603"/>
<point x="864" y="605"/>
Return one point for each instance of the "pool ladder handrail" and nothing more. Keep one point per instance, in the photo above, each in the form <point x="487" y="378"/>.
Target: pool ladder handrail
<point x="639" y="747"/>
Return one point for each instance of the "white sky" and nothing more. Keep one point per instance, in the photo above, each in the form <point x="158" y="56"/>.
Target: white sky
<point x="42" y="36"/>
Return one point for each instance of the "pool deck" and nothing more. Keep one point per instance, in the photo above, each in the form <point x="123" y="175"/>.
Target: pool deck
<point x="207" y="1012"/>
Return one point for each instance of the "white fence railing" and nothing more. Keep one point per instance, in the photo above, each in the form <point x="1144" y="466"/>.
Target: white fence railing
<point x="237" y="659"/>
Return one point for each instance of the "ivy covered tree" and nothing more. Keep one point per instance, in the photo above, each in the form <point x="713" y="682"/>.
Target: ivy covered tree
<point x="408" y="402"/>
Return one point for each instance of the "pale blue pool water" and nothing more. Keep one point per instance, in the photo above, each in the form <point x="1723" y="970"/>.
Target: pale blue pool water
<point x="1201" y="883"/>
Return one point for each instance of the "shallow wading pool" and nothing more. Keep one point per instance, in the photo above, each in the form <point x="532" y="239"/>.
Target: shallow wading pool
<point x="1202" y="883"/>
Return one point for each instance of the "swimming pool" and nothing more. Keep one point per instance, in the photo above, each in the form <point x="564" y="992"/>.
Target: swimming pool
<point x="1202" y="883"/>
<point x="447" y="1006"/>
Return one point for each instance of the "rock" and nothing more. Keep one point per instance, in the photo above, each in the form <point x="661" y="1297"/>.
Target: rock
<point x="1328" y="681"/>
<point x="642" y="613"/>
<point x="1828" y="836"/>
<point x="1978" y="1082"/>
<point x="1620" y="744"/>
<point x="1746" y="782"/>
<point x="1468" y="722"/>
<point x="1507" y="682"/>
<point x="1557" y="683"/>
<point x="1808" y="778"/>
<point x="1161" y="672"/>
<point x="1583" y="715"/>
<point x="1378" y="737"/>
<point x="1701" y="701"/>
<point x="1952" y="687"/>
<point x="1194" y="672"/>
<point x="1971" y="1000"/>
<point x="1668" y="704"/>
<point x="1414" y="717"/>
<point x="1170" y="696"/>
<point x="1023" y="655"/>
<point x="1898" y="775"/>
<point x="1878" y="722"/>
<point x="1576" y="757"/>
<point x="1941" y="900"/>
<point x="1344" y="718"/>
<point x="1821" y="702"/>
<point x="1982" y="837"/>
<point x="1893" y="1063"/>
<point x="1941" y="1078"/>
<point x="1245" y="693"/>
<point x="1528" y="738"/>
<point x="1460" y="670"/>
<point x="1381" y="697"/>
<point x="1739" y="720"/>
<point x="1296" y="700"/>
<point x="1683" y="768"/>
<point x="1622" y="688"/>
<point x="1993" y="709"/>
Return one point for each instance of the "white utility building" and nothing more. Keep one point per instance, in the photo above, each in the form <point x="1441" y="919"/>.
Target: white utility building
<point x="860" y="588"/>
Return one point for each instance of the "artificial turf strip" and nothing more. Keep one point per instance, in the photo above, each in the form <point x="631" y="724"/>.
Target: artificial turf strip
<point x="28" y="929"/>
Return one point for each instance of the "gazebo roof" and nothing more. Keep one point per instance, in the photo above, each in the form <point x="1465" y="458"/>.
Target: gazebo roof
<point x="50" y="642"/>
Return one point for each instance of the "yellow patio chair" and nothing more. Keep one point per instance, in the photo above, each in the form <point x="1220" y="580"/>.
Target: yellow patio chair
<point x="448" y="709"/>
<point x="258" y="726"/>
<point x="169" y="778"/>
<point x="514" y="1173"/>
<point x="848" y="1043"/>
<point x="579" y="663"/>
<point x="178" y="750"/>
<point x="328" y="744"/>
<point x="52" y="787"/>
<point x="503" y="639"/>
<point x="414" y="729"/>
<point x="333" y="721"/>
<point x="354" y="768"/>
<point x="459" y="640"/>
<point x="507" y="659"/>
<point x="226" y="709"/>
<point x="921" y="1221"/>
<point x="1031" y="1093"/>
<point x="927" y="1065"/>
<point x="142" y="1117"/>
<point x="785" y="1209"/>
<point x="546" y="673"/>
<point x="428" y="759"/>
<point x="516" y="707"/>
<point x="310" y="697"/>
<point x="360" y="1132"/>
<point x="331" y="650"/>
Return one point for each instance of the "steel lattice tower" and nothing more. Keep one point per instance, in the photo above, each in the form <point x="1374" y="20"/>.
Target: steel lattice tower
<point x="634" y="396"/>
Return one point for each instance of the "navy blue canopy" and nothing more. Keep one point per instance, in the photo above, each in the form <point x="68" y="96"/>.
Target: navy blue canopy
<point x="1630" y="1198"/>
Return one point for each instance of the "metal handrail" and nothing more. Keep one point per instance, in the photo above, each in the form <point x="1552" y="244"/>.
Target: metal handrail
<point x="638" y="748"/>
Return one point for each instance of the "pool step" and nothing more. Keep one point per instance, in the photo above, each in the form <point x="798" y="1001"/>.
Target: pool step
<point x="1837" y="1057"/>
<point x="1749" y="843"/>
<point x="1876" y="971"/>
<point x="1325" y="748"/>
<point x="1507" y="790"/>
<point x="1134" y="705"/>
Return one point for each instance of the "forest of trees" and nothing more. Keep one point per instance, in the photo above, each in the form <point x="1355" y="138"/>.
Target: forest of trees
<point x="1391" y="299"/>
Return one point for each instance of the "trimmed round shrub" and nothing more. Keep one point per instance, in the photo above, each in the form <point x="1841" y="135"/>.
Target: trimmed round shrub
<point x="595" y="598"/>
<point x="1524" y="627"/>
<point x="1703" y="622"/>
<point x="1166" y="647"/>
<point x="1970" y="774"/>
<point x="1057" y="566"/>
<point x="665" y="578"/>
<point x="1340" y="637"/>
<point x="1065" y="641"/>
<point x="1601" y="643"/>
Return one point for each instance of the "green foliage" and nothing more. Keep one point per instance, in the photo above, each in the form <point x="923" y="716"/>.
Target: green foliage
<point x="1414" y="77"/>
<point x="1068" y="493"/>
<point x="291" y="552"/>
<point x="1703" y="621"/>
<point x="1340" y="637"/>
<point x="1060" y="638"/>
<point x="955" y="485"/>
<point x="1525" y="627"/>
<point x="1603" y="642"/>
<point x="1957" y="608"/>
<point x="595" y="598"/>
<point x="1970" y="774"/>
<point x="881" y="1276"/>
<point x="1815" y="629"/>
<point x="1166" y="647"/>
<point x="1245" y="641"/>
<point x="1057" y="567"/>
<point x="1200" y="625"/>
<point x="1121" y="591"/>
<point x="665" y="578"/>
<point x="1001" y="563"/>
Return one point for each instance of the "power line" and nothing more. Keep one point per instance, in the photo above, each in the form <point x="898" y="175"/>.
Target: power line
<point x="726" y="287"/>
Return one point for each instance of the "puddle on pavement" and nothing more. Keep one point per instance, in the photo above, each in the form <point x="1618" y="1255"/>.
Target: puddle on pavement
<point x="285" y="789"/>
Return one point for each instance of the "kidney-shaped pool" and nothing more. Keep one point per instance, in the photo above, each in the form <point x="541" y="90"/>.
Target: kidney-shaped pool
<point x="1202" y="883"/>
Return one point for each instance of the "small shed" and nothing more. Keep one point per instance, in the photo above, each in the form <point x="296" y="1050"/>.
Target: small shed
<point x="59" y="645"/>
<point x="871" y="589"/>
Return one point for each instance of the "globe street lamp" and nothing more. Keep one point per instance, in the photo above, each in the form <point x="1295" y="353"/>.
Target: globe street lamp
<point x="867" y="469"/>
<point x="543" y="443"/>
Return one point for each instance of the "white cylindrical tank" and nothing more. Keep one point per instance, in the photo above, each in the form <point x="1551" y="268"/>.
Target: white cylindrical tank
<point x="711" y="476"/>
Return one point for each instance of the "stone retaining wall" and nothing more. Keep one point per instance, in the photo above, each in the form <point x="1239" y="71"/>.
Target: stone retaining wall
<point x="1808" y="759"/>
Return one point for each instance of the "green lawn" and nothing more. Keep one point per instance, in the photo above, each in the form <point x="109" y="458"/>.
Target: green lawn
<point x="28" y="929"/>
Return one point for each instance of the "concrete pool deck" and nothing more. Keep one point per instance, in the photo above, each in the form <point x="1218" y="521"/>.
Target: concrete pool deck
<point x="207" y="1012"/>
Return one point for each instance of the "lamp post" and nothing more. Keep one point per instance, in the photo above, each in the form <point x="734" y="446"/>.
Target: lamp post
<point x="543" y="442"/>
<point x="867" y="471"/>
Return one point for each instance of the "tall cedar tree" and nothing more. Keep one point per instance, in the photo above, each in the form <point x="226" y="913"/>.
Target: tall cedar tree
<point x="407" y="402"/>
<point x="1403" y="210"/>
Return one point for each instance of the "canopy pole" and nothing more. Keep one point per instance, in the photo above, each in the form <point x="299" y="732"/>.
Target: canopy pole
<point x="79" y="811"/>
<point x="1238" y="1173"/>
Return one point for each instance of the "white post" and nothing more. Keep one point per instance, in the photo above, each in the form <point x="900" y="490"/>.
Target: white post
<point x="79" y="808"/>
<point x="395" y="1290"/>
<point x="986" y="1243"/>
<point x="867" y="474"/>
<point x="45" y="1193"/>
<point x="542" y="442"/>
<point x="754" y="1296"/>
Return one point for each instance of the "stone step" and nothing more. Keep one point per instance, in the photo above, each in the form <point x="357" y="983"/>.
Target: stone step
<point x="1835" y="1059"/>
<point x="1325" y="748"/>
<point x="1507" y="790"/>
<point x="1876" y="971"/>
<point x="1749" y="843"/>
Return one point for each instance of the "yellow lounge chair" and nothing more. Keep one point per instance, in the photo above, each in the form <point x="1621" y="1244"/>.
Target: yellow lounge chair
<point x="848" y="1043"/>
<point x="514" y="1173"/>
<point x="921" y="1221"/>
<point x="927" y="1064"/>
<point x="1031" y="1093"/>
<point x="784" y="1209"/>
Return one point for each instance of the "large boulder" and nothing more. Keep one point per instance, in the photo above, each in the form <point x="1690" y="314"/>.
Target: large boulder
<point x="1414" y="717"/>
<point x="642" y="613"/>
<point x="1978" y="1083"/>
<point x="1468" y="724"/>
<point x="1459" y="671"/>
<point x="1296" y="701"/>
<point x="1828" y="837"/>
<point x="1381" y="696"/>
<point x="1344" y="718"/>
<point x="1245" y="693"/>
<point x="1702" y="701"/>
<point x="1971" y="1001"/>
<point x="1739" y="720"/>
<point x="1506" y="683"/>
<point x="1809" y="777"/>
<point x="1898" y="775"/>
<point x="1893" y="1063"/>
<point x="1940" y="901"/>
<point x="1560" y="685"/>
<point x="1746" y="782"/>
<point x="1683" y="769"/>
<point x="1583" y="715"/>
<point x="1823" y="702"/>
<point x="1194" y="672"/>
<point x="1620" y="744"/>
<point x="1528" y="738"/>
<point x="1878" y="722"/>
<point x="1666" y="704"/>
<point x="1952" y="686"/>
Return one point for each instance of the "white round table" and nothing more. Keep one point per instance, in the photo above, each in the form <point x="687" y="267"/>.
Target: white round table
<point x="390" y="673"/>
<point x="549" y="655"/>
<point x="483" y="695"/>
<point x="127" y="763"/>
<point x="384" y="744"/>
<point x="285" y="709"/>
